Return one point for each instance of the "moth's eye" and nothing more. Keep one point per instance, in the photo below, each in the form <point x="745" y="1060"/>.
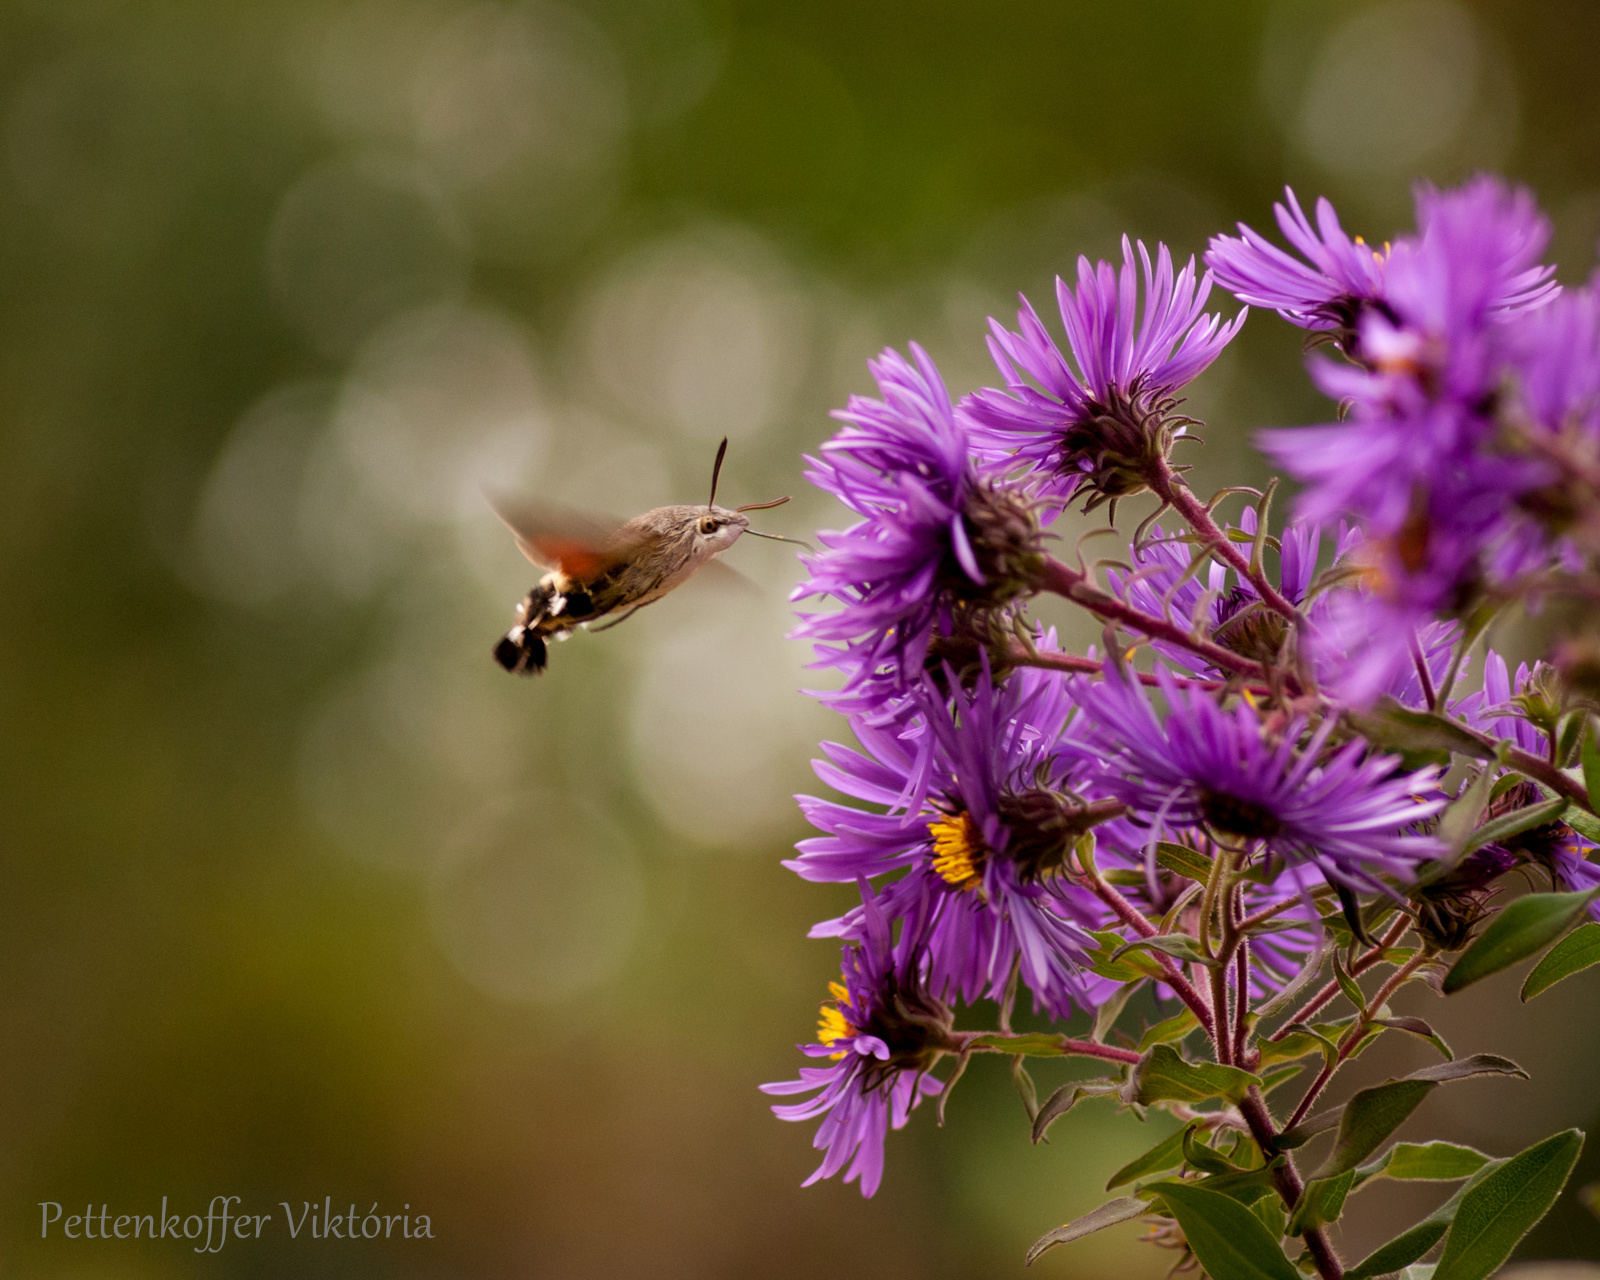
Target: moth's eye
<point x="708" y="524"/>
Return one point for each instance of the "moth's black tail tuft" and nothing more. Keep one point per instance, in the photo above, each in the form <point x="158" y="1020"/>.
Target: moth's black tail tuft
<point x="522" y="652"/>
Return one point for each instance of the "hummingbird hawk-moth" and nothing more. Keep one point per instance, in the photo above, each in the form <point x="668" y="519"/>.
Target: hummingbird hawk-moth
<point x="599" y="573"/>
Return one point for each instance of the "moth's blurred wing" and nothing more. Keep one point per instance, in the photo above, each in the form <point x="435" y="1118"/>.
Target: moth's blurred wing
<point x="552" y="537"/>
<point x="722" y="576"/>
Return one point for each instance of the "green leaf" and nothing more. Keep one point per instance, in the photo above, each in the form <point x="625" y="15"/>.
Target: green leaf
<point x="1106" y="1016"/>
<point x="1574" y="953"/>
<point x="1516" y="822"/>
<point x="1391" y="725"/>
<point x="1369" y="1118"/>
<point x="1478" y="1064"/>
<point x="1347" y="984"/>
<point x="1270" y="1080"/>
<point x="1244" y="1185"/>
<point x="1307" y="975"/>
<point x="1183" y="861"/>
<point x="1425" y="1162"/>
<point x="1166" y="1154"/>
<point x="1591" y="765"/>
<point x="1180" y="946"/>
<point x="1411" y="1244"/>
<point x="1063" y="1100"/>
<point x="1132" y="969"/>
<point x="1162" y="1075"/>
<point x="1322" y="1201"/>
<point x="1582" y="821"/>
<point x="1174" y="1028"/>
<point x="1107" y="1215"/>
<point x="1417" y="1027"/>
<point x="1202" y="1158"/>
<point x="1500" y="1210"/>
<point x="1461" y="819"/>
<point x="1525" y="927"/>
<point x="1230" y="1241"/>
<point x="1297" y="1044"/>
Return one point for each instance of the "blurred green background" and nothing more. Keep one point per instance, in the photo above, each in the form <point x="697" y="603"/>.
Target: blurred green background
<point x="302" y="896"/>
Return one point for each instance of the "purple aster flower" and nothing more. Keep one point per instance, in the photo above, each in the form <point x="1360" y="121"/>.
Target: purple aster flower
<point x="882" y="1033"/>
<point x="942" y="544"/>
<point x="1100" y="420"/>
<point x="980" y="815"/>
<point x="1344" y="275"/>
<point x="1344" y="811"/>
<point x="1418" y="459"/>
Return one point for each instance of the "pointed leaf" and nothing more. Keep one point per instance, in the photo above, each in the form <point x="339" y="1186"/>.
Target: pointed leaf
<point x="1180" y="946"/>
<point x="1183" y="861"/>
<point x="1476" y="1064"/>
<point x="1591" y="765"/>
<point x="1106" y="1016"/>
<point x="1297" y="1044"/>
<point x="1270" y="1080"/>
<point x="1500" y="1210"/>
<point x="1391" y="725"/>
<point x="1347" y="984"/>
<point x="1322" y="1201"/>
<point x="1369" y="1118"/>
<point x="1411" y="1244"/>
<point x="1516" y="822"/>
<point x="1302" y="980"/>
<point x="1425" y="1162"/>
<point x="1230" y="1241"/>
<point x="1457" y="823"/>
<point x="1417" y="1027"/>
<point x="1525" y="927"/>
<point x="1107" y="1215"/>
<point x="1055" y="1106"/>
<point x="1202" y="1158"/>
<point x="1573" y="954"/>
<point x="1163" y="1075"/>
<point x="1174" y="1028"/>
<point x="1166" y="1154"/>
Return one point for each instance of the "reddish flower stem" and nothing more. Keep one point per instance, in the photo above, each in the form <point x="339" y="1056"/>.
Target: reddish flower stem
<point x="1287" y="1179"/>
<point x="1167" y="485"/>
<point x="1075" y="586"/>
<point x="1360" y="965"/>
<point x="1134" y="919"/>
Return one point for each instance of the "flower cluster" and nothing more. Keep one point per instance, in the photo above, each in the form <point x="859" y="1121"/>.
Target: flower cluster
<point x="1282" y="753"/>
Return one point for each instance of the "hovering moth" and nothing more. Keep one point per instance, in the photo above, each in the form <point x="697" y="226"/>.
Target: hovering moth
<point x="600" y="573"/>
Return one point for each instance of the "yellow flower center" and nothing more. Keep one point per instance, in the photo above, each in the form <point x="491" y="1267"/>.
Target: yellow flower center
<point x="958" y="850"/>
<point x="831" y="1022"/>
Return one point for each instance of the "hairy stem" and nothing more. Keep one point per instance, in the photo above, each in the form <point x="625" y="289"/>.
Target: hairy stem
<point x="1170" y="488"/>
<point x="1358" y="966"/>
<point x="1072" y="585"/>
<point x="1134" y="919"/>
<point x="1288" y="1182"/>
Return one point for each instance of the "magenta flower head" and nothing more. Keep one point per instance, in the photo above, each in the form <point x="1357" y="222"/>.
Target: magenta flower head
<point x="1280" y="793"/>
<point x="981" y="816"/>
<point x="881" y="1033"/>
<point x="1325" y="290"/>
<point x="942" y="543"/>
<point x="1100" y="420"/>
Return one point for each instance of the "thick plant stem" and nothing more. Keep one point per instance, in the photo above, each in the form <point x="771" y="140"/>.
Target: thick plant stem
<point x="1170" y="488"/>
<point x="1290" y="1186"/>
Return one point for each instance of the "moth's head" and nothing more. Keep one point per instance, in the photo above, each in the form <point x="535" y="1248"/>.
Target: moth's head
<point x="717" y="528"/>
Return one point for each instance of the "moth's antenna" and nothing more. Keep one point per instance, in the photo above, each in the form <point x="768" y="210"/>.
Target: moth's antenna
<point x="755" y="533"/>
<point x="763" y="506"/>
<point x="716" y="470"/>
